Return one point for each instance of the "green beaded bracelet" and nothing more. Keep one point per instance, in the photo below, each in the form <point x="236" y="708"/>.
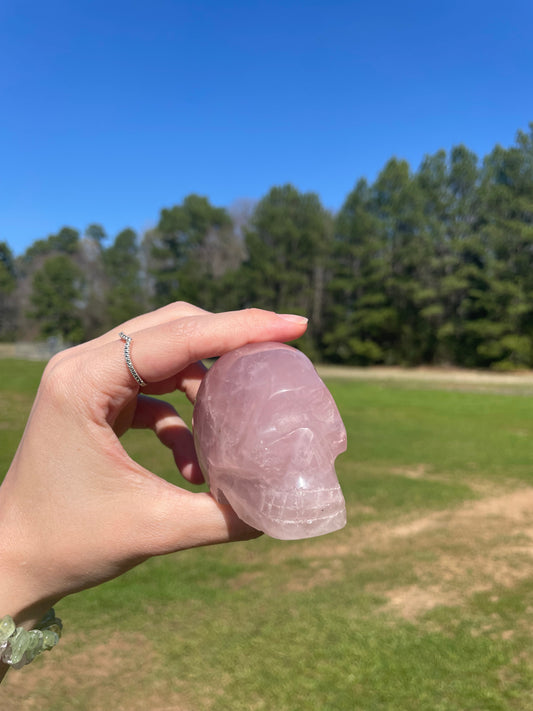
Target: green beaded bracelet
<point x="19" y="647"/>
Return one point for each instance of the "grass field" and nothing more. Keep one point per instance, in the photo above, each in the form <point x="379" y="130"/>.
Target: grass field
<point x="424" y="602"/>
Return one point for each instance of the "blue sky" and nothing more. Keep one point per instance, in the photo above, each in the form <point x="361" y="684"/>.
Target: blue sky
<point x="111" y="110"/>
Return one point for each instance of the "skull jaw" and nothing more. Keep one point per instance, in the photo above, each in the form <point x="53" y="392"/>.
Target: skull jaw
<point x="287" y="515"/>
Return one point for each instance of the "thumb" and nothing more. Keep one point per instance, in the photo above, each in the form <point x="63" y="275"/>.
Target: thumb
<point x="189" y="520"/>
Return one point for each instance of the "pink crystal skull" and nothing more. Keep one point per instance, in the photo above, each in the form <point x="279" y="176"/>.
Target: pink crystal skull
<point x="267" y="433"/>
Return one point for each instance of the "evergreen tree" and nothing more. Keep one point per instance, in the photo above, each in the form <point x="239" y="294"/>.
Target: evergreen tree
<point x="124" y="297"/>
<point x="398" y="202"/>
<point x="507" y="234"/>
<point x="461" y="258"/>
<point x="191" y="247"/>
<point x="361" y="320"/>
<point x="95" y="232"/>
<point x="55" y="299"/>
<point x="66" y="241"/>
<point x="287" y="244"/>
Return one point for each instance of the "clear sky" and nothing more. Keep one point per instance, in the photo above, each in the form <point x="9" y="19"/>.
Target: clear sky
<point x="111" y="110"/>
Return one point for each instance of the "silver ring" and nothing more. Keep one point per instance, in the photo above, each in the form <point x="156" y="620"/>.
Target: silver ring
<point x="127" y="356"/>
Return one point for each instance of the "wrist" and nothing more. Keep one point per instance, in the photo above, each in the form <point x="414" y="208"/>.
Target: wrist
<point x="24" y="594"/>
<point x="21" y="595"/>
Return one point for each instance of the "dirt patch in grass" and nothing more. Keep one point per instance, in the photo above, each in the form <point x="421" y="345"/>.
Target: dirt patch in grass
<point x="479" y="546"/>
<point x="411" y="601"/>
<point x="91" y="673"/>
<point x="417" y="472"/>
<point x="451" y="554"/>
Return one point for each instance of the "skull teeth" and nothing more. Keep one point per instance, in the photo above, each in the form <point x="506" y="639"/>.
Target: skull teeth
<point x="301" y="504"/>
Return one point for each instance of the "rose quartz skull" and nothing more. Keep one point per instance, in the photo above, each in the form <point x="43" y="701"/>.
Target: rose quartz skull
<point x="267" y="432"/>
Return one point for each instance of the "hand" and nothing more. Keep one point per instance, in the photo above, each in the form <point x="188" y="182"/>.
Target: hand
<point x="75" y="509"/>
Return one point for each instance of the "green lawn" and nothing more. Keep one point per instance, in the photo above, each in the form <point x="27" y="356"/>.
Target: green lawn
<point x="424" y="602"/>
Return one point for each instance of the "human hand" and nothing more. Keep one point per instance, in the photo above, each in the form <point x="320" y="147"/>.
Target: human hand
<point x="75" y="509"/>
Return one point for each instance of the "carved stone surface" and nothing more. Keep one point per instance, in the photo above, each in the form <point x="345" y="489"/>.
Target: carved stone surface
<point x="267" y="432"/>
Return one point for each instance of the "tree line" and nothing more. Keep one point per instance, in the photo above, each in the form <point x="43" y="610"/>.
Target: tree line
<point x="433" y="266"/>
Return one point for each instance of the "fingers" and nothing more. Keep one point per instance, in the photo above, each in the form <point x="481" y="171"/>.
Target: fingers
<point x="161" y="351"/>
<point x="164" y="351"/>
<point x="171" y="431"/>
<point x="187" y="380"/>
<point x="170" y="312"/>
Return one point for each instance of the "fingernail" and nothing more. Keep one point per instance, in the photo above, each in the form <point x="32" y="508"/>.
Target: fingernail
<point x="294" y="318"/>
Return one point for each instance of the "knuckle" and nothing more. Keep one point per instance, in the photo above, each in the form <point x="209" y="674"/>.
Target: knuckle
<point x="253" y="313"/>
<point x="186" y="333"/>
<point x="61" y="376"/>
<point x="180" y="305"/>
<point x="181" y="308"/>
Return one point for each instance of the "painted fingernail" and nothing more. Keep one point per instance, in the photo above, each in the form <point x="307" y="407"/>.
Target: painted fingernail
<point x="294" y="318"/>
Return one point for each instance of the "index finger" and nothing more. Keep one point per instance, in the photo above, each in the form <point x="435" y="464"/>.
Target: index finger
<point x="160" y="353"/>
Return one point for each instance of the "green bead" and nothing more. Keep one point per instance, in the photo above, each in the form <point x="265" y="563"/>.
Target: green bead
<point x="50" y="639"/>
<point x="18" y="644"/>
<point x="35" y="645"/>
<point x="7" y="627"/>
<point x="56" y="629"/>
<point x="48" y="619"/>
